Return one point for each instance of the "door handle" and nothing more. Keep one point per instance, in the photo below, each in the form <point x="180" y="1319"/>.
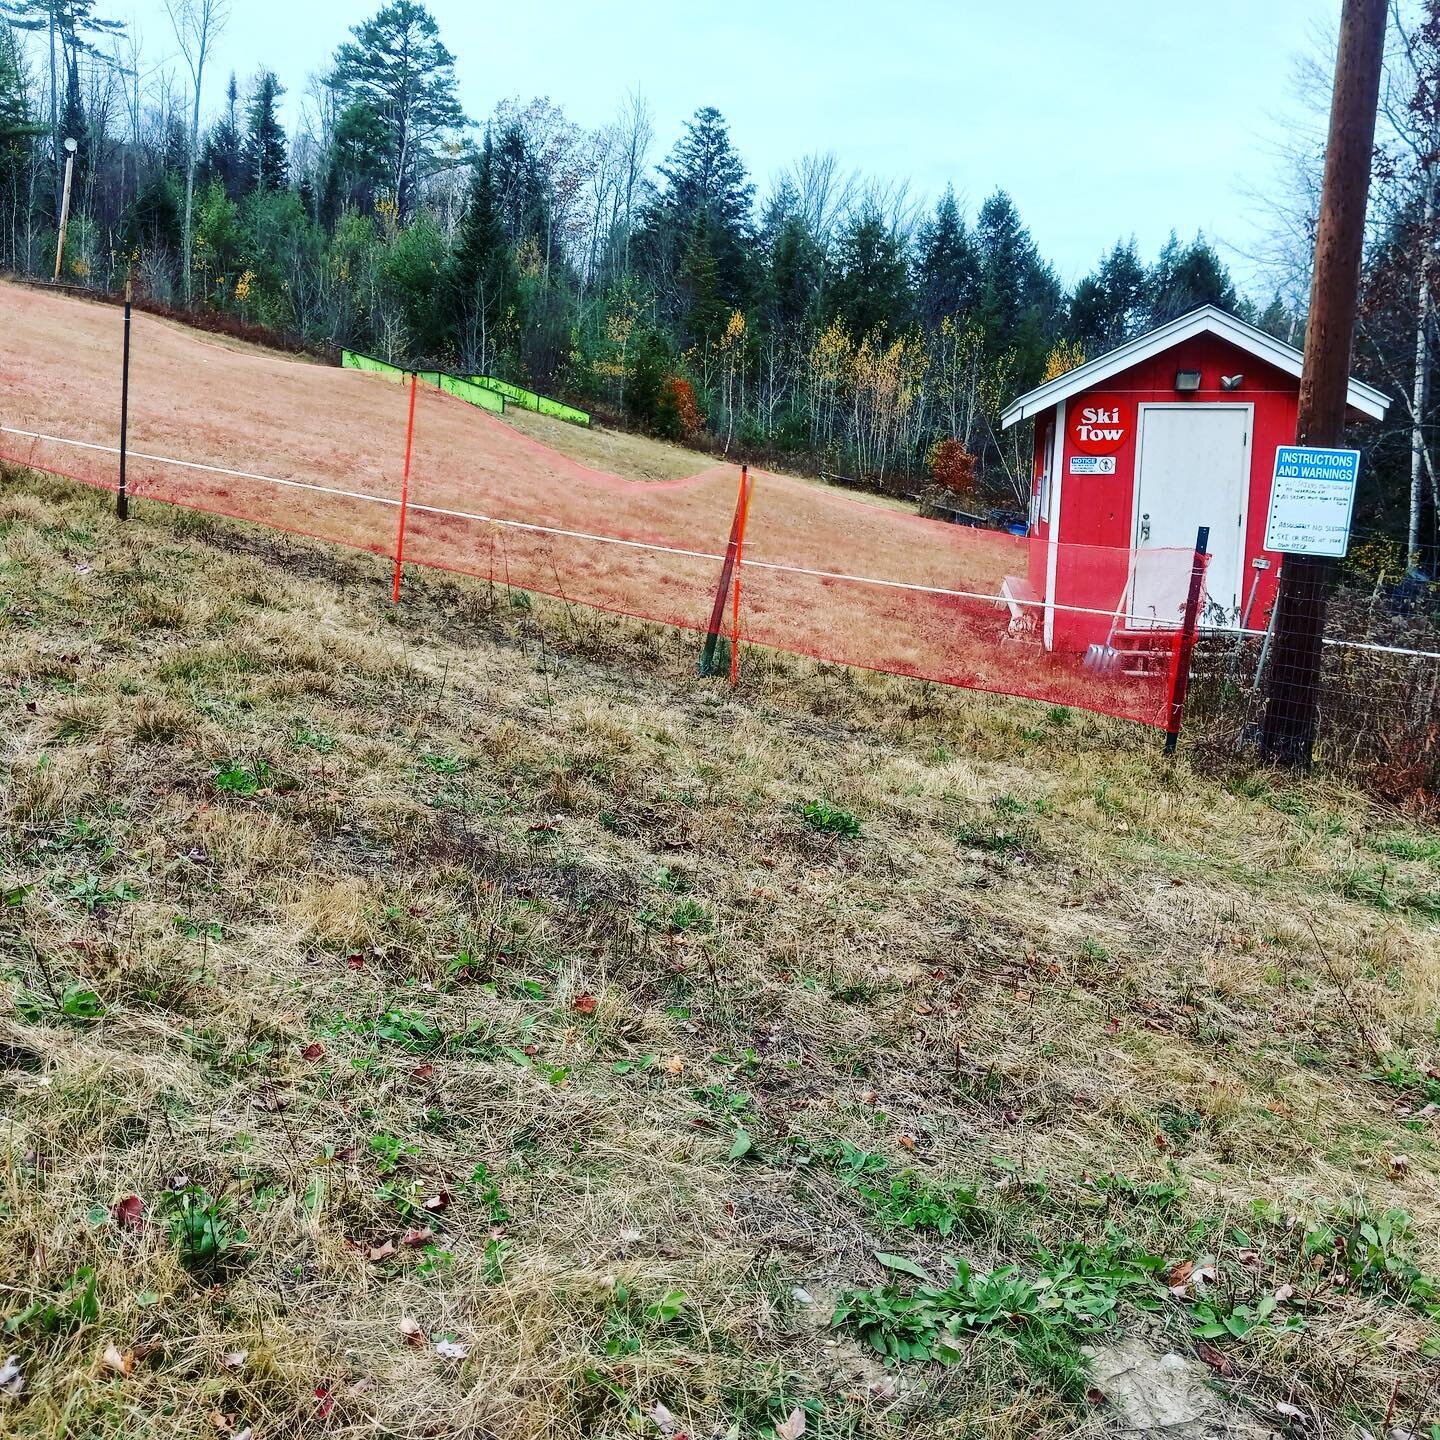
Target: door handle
<point x="1144" y="528"/>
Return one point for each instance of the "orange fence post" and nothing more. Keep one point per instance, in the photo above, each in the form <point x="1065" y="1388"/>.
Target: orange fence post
<point x="746" y="485"/>
<point x="404" y="497"/>
<point x="727" y="569"/>
<point x="1185" y="641"/>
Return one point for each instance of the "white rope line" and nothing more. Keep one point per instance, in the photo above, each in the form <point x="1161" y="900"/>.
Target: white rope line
<point x="989" y="597"/>
<point x="1371" y="645"/>
<point x="777" y="566"/>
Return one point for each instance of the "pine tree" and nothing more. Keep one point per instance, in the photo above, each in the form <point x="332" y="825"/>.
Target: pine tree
<point x="872" y="287"/>
<point x="1108" y="307"/>
<point x="947" y="272"/>
<point x="68" y="26"/>
<point x="398" y="66"/>
<point x="16" y="123"/>
<point x="1020" y="299"/>
<point x="705" y="309"/>
<point x="519" y="187"/>
<point x="267" y="159"/>
<point x="795" y="276"/>
<point x="480" y="276"/>
<point x="356" y="167"/>
<point x="704" y="176"/>
<point x="224" y="157"/>
<point x="74" y="124"/>
<point x="1186" y="277"/>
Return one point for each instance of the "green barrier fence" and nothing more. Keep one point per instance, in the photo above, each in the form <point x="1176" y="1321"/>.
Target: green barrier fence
<point x="467" y="390"/>
<point x="529" y="400"/>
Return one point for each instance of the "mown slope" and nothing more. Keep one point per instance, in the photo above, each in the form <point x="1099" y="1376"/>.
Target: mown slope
<point x="459" y="1020"/>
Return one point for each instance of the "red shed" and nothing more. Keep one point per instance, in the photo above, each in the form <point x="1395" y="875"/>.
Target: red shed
<point x="1139" y="448"/>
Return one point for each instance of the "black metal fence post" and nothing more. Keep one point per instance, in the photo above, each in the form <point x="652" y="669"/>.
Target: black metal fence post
<point x="1186" y="646"/>
<point x="122" y="498"/>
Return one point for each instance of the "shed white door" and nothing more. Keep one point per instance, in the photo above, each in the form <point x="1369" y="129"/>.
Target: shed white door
<point x="1192" y="468"/>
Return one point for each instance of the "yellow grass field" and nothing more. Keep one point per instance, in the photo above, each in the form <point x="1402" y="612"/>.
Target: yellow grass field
<point x="459" y="1020"/>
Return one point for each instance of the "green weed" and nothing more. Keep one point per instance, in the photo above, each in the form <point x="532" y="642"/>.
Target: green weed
<point x="830" y="819"/>
<point x="237" y="778"/>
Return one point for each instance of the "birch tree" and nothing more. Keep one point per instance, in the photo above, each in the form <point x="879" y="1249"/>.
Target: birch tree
<point x="197" y="24"/>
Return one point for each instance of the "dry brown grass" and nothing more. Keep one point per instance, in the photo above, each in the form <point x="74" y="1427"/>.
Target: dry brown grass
<point x="260" y="829"/>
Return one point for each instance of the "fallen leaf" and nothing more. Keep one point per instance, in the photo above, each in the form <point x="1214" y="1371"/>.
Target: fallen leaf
<point x="411" y="1329"/>
<point x="664" y="1419"/>
<point x="586" y="1004"/>
<point x="908" y="1142"/>
<point x="1112" y="1026"/>
<point x="1217" y="1361"/>
<point x="224" y="1423"/>
<point x="246" y="1434"/>
<point x="269" y="1099"/>
<point x="355" y="962"/>
<point x="793" y="1428"/>
<point x="440" y="1201"/>
<point x="1284" y="1293"/>
<point x="327" y="1401"/>
<point x="113" y="1359"/>
<point x="1290" y="1412"/>
<point x="380" y="1252"/>
<point x="423" y="1072"/>
<point x="129" y="1213"/>
<point x="418" y="1237"/>
<point x="674" y="1065"/>
<point x="12" y="1382"/>
<point x="313" y="1051"/>
<point x="451" y="1350"/>
<point x="1181" y="1273"/>
<point x="234" y="1359"/>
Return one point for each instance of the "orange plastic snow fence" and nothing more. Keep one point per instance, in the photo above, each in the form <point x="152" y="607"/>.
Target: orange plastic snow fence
<point x="225" y="427"/>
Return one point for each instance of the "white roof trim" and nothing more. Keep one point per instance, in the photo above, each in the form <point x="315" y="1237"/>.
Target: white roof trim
<point x="1208" y="319"/>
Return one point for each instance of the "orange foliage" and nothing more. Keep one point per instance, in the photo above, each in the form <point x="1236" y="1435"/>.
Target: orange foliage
<point x="678" y="414"/>
<point x="952" y="467"/>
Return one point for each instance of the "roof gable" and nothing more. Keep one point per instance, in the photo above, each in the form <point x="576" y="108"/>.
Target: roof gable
<point x="1209" y="319"/>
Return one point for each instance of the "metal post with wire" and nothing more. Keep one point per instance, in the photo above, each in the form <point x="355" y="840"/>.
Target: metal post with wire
<point x="122" y="497"/>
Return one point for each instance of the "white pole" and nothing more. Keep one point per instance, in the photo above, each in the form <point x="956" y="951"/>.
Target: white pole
<point x="70" y="148"/>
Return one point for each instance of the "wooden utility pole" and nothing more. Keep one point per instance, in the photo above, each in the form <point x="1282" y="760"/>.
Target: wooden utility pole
<point x="70" y="148"/>
<point x="1292" y="707"/>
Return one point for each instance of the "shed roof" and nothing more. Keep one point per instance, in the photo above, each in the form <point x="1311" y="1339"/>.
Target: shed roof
<point x="1208" y="319"/>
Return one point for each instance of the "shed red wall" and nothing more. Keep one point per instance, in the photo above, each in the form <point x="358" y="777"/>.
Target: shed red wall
<point x="1098" y="510"/>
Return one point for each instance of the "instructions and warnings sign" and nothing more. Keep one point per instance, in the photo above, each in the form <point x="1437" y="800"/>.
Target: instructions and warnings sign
<point x="1311" y="498"/>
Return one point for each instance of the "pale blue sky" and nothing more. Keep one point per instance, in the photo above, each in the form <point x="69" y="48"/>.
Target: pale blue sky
<point x="1102" y="118"/>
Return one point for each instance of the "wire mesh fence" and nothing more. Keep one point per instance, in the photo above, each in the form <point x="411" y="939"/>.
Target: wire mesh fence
<point x="1375" y="704"/>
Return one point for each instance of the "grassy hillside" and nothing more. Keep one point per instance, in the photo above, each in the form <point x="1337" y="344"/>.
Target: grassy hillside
<point x="459" y="1020"/>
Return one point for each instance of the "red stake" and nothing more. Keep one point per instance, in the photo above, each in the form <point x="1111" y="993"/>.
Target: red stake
<point x="746" y="486"/>
<point x="404" y="497"/>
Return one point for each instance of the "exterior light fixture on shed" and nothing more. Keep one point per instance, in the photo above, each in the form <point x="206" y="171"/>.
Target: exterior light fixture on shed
<point x="1231" y="382"/>
<point x="1187" y="380"/>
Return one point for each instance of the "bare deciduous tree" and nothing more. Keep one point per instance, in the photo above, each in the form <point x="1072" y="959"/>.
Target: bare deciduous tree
<point x="196" y="24"/>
